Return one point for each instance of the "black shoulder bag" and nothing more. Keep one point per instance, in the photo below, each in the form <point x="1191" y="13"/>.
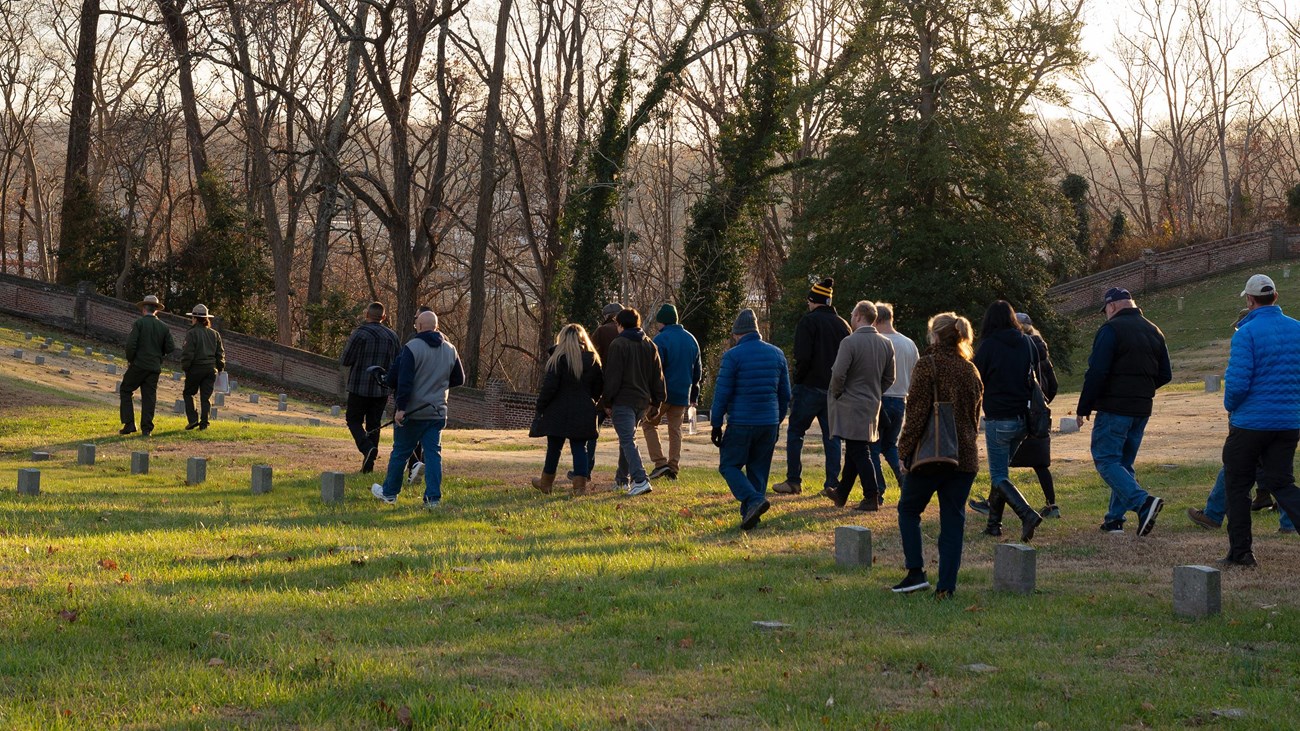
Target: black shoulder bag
<point x="938" y="446"/>
<point x="1038" y="424"/>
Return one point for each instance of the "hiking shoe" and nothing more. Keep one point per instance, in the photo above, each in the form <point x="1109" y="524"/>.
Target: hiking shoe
<point x="834" y="496"/>
<point x="192" y="425"/>
<point x="1200" y="518"/>
<point x="979" y="506"/>
<point x="1246" y="562"/>
<point x="942" y="595"/>
<point x="378" y="491"/>
<point x="867" y="506"/>
<point x="432" y="504"/>
<point x="368" y="465"/>
<point x="1263" y="501"/>
<point x="1147" y="515"/>
<point x="640" y="488"/>
<point x="146" y="432"/>
<point x="126" y="430"/>
<point x="752" y="515"/>
<point x="658" y="472"/>
<point x="788" y="488"/>
<point x="1112" y="526"/>
<point x="414" y="474"/>
<point x="670" y="475"/>
<point x="915" y="581"/>
<point x="1051" y="511"/>
<point x="993" y="530"/>
<point x="203" y="426"/>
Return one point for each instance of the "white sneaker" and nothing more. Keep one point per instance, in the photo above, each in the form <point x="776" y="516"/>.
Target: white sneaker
<point x="639" y="488"/>
<point x="432" y="504"/>
<point x="378" y="491"/>
<point x="414" y="475"/>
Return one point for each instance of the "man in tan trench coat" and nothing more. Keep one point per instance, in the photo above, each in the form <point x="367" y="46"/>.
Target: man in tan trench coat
<point x="863" y="370"/>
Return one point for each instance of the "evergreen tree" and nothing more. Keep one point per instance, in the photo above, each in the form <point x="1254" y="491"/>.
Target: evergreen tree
<point x="935" y="194"/>
<point x="1075" y="189"/>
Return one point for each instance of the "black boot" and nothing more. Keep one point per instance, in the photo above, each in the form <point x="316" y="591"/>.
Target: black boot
<point x="995" y="505"/>
<point x="1029" y="518"/>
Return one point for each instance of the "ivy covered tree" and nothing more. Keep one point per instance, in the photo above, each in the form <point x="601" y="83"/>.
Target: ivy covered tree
<point x="935" y="195"/>
<point x="722" y="232"/>
<point x="1075" y="189"/>
<point x="591" y="276"/>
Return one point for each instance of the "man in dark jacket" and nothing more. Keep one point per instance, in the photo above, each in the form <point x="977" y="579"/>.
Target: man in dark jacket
<point x="816" y="343"/>
<point x="149" y="342"/>
<point x="633" y="391"/>
<point x="427" y="367"/>
<point x="202" y="358"/>
<point x="372" y="344"/>
<point x="752" y="394"/>
<point x="1129" y="361"/>
<point x="1261" y="392"/>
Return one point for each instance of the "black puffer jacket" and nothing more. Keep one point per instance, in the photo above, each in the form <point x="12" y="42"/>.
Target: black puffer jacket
<point x="816" y="343"/>
<point x="568" y="404"/>
<point x="1004" y="359"/>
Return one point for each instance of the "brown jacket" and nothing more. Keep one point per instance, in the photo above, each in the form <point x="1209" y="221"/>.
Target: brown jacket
<point x="959" y="382"/>
<point x="633" y="374"/>
<point x="605" y="335"/>
<point x="863" y="369"/>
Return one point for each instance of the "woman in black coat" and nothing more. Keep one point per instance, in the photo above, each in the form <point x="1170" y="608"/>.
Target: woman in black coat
<point x="566" y="406"/>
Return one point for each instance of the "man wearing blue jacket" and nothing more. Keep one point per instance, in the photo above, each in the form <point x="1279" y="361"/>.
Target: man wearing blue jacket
<point x="1129" y="362"/>
<point x="679" y="353"/>
<point x="1262" y="395"/>
<point x="426" y="368"/>
<point x="752" y="394"/>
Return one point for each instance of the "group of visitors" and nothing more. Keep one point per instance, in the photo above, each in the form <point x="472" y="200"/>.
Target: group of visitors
<point x="877" y="398"/>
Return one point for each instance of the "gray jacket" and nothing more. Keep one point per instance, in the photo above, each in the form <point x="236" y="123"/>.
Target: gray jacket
<point x="863" y="369"/>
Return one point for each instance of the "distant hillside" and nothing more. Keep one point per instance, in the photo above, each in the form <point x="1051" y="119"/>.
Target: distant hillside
<point x="1198" y="335"/>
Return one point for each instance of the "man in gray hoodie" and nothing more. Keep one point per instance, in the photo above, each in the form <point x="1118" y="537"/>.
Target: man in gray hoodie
<point x="426" y="368"/>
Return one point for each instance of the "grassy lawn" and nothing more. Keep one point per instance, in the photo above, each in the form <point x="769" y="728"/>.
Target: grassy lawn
<point x="139" y="602"/>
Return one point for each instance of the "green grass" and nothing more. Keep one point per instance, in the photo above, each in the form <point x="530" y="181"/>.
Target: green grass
<point x="1199" y="333"/>
<point x="207" y="607"/>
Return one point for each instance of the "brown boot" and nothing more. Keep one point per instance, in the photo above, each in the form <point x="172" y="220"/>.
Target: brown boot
<point x="544" y="483"/>
<point x="579" y="485"/>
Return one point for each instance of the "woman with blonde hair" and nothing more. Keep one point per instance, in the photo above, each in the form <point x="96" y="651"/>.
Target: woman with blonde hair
<point x="566" y="406"/>
<point x="944" y="373"/>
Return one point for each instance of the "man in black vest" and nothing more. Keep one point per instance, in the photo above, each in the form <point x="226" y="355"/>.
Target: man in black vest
<point x="1129" y="362"/>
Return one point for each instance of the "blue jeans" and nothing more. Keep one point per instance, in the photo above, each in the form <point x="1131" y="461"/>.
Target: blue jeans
<point x="953" y="488"/>
<point x="625" y="420"/>
<point x="578" y="448"/>
<point x="745" y="460"/>
<point x="1216" y="505"/>
<point x="428" y="434"/>
<point x="1115" y="443"/>
<point x="886" y="450"/>
<point x="1002" y="437"/>
<point x="806" y="405"/>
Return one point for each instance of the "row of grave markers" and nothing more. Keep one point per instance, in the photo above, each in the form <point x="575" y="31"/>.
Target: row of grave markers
<point x="1197" y="589"/>
<point x="196" y="473"/>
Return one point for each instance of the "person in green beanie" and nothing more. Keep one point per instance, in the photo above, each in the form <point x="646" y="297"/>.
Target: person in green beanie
<point x="679" y="352"/>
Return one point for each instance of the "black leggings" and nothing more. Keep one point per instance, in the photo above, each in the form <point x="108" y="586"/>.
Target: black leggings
<point x="1048" y="483"/>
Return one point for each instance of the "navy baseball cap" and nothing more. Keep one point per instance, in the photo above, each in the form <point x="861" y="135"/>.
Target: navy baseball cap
<point x="1115" y="294"/>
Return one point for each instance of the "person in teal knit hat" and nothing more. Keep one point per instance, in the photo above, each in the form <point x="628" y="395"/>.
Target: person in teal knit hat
<point x="683" y="371"/>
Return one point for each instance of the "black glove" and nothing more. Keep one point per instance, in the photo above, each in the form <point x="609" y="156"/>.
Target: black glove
<point x="716" y="436"/>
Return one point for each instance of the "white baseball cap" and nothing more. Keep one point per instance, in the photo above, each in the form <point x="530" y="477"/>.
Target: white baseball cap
<point x="1260" y="284"/>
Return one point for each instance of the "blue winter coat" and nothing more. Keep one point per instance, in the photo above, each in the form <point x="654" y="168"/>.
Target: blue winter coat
<point x="753" y="386"/>
<point x="1262" y="387"/>
<point x="680" y="355"/>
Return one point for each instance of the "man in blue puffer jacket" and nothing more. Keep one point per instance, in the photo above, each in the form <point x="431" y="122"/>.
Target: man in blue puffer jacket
<point x="1262" y="395"/>
<point x="753" y="394"/>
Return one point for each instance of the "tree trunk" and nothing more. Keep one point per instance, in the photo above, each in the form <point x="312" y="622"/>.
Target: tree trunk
<point x="178" y="32"/>
<point x="73" y="230"/>
<point x="331" y="173"/>
<point x="486" y="193"/>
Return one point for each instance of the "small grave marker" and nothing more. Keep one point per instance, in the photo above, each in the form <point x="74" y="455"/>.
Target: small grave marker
<point x="18" y="353"/>
<point x="139" y="463"/>
<point x="334" y="410"/>
<point x="261" y="479"/>
<point x="178" y="407"/>
<point x="253" y="398"/>
<point x="219" y="399"/>
<point x="196" y="470"/>
<point x="331" y="487"/>
<point x="1015" y="568"/>
<point x="1197" y="591"/>
<point x="313" y="422"/>
<point x="86" y="454"/>
<point x="40" y="360"/>
<point x="40" y="456"/>
<point x="1212" y="384"/>
<point x="29" y="482"/>
<point x="853" y="546"/>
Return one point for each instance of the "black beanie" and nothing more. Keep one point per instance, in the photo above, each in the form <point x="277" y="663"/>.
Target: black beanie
<point x="822" y="292"/>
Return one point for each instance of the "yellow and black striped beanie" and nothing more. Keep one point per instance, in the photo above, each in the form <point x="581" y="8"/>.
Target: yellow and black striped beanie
<point x="822" y="292"/>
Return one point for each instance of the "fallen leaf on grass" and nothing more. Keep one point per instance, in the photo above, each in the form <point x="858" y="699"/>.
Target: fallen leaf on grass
<point x="51" y="550"/>
<point x="108" y="564"/>
<point x="125" y="579"/>
<point x="1148" y="706"/>
<point x="220" y="636"/>
<point x="404" y="716"/>
<point x="684" y="512"/>
<point x="974" y="608"/>
<point x="686" y="643"/>
<point x="216" y="662"/>
<point x="68" y="615"/>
